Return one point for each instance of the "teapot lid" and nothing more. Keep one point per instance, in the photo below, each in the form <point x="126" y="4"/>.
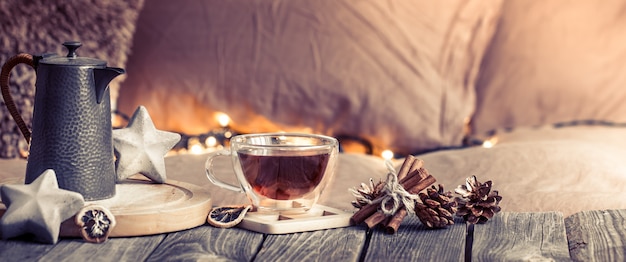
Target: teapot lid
<point x="72" y="59"/>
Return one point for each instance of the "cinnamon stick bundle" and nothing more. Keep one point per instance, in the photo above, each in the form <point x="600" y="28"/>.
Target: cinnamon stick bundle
<point x="414" y="178"/>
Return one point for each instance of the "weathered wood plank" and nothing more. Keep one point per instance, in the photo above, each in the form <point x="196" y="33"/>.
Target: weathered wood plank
<point x="415" y="242"/>
<point x="207" y="243"/>
<point x="22" y="250"/>
<point x="341" y="244"/>
<point x="521" y="237"/>
<point x="75" y="249"/>
<point x="126" y="249"/>
<point x="597" y="235"/>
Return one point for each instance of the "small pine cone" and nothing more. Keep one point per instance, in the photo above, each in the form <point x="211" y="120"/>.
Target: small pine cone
<point x="436" y="209"/>
<point x="366" y="193"/>
<point x="478" y="203"/>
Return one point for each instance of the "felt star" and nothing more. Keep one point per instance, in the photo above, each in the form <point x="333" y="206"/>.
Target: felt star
<point x="141" y="148"/>
<point x="38" y="208"/>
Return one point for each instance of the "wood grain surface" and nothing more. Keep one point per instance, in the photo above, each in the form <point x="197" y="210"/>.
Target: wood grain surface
<point x="593" y="236"/>
<point x="341" y="244"/>
<point x="521" y="236"/>
<point x="206" y="243"/>
<point x="597" y="235"/>
<point x="115" y="249"/>
<point x="415" y="241"/>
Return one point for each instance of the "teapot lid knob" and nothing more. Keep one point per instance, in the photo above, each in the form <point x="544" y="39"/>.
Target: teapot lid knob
<point x="71" y="48"/>
<point x="72" y="58"/>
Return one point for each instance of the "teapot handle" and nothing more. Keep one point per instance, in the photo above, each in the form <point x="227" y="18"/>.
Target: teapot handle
<point x="4" y="85"/>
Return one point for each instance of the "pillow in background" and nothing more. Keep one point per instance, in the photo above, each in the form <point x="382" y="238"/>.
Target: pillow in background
<point x="398" y="73"/>
<point x="554" y="61"/>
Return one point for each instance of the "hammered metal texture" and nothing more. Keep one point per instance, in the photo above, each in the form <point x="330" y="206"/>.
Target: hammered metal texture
<point x="72" y="132"/>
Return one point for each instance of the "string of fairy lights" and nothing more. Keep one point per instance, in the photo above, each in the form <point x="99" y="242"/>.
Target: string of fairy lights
<point x="219" y="137"/>
<point x="212" y="140"/>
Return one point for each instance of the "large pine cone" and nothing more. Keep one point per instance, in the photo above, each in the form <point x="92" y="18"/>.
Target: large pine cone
<point x="478" y="203"/>
<point x="436" y="209"/>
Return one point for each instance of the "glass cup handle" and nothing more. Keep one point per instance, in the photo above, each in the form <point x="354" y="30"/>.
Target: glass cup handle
<point x="210" y="174"/>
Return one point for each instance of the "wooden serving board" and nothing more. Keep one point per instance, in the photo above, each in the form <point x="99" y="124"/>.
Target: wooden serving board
<point x="141" y="207"/>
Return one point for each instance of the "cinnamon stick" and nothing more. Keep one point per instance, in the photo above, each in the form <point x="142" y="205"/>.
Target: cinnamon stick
<point x="422" y="184"/>
<point x="413" y="179"/>
<point x="395" y="221"/>
<point x="375" y="219"/>
<point x="363" y="213"/>
<point x="408" y="163"/>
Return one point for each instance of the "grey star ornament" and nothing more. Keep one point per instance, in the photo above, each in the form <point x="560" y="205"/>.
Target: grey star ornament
<point x="140" y="148"/>
<point x="38" y="208"/>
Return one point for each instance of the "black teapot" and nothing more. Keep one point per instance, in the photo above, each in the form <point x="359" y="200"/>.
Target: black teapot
<point x="71" y="129"/>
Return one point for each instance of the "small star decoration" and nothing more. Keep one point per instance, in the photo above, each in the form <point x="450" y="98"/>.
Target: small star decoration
<point x="38" y="208"/>
<point x="141" y="148"/>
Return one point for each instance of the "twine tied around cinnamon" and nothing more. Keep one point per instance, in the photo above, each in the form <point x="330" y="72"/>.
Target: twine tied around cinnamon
<point x="397" y="196"/>
<point x="394" y="194"/>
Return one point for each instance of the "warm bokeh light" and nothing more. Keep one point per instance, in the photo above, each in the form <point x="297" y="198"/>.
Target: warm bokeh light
<point x="387" y="154"/>
<point x="194" y="146"/>
<point x="196" y="149"/>
<point x="222" y="119"/>
<point x="210" y="141"/>
<point x="489" y="143"/>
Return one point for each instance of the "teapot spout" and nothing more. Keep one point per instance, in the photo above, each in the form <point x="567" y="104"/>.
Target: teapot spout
<point x="102" y="78"/>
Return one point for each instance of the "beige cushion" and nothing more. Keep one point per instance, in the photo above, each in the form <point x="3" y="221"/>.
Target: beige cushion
<point x="544" y="169"/>
<point x="554" y="61"/>
<point x="398" y="73"/>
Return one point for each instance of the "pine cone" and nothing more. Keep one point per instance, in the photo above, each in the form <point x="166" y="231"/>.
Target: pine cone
<point x="366" y="193"/>
<point x="436" y="209"/>
<point x="477" y="203"/>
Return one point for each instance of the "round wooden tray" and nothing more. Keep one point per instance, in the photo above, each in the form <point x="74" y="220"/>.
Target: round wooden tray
<point x="141" y="208"/>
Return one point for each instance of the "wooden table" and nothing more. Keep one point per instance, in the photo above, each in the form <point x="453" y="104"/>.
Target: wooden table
<point x="585" y="236"/>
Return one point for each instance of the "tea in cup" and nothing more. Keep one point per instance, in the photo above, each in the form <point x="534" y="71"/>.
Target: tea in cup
<point x="284" y="172"/>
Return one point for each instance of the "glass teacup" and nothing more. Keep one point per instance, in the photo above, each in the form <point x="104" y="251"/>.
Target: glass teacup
<point x="284" y="172"/>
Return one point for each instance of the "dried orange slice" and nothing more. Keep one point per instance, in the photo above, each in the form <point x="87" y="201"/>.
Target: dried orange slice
<point x="96" y="223"/>
<point x="227" y="216"/>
